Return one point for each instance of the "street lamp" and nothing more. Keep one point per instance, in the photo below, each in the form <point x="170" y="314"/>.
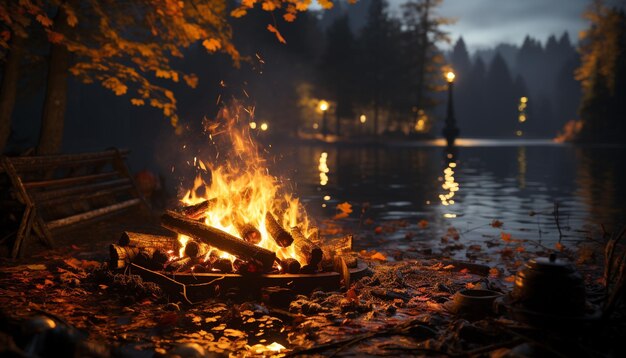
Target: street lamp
<point x="450" y="131"/>
<point x="324" y="107"/>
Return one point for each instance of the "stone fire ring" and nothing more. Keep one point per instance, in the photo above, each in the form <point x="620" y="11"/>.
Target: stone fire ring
<point x="198" y="286"/>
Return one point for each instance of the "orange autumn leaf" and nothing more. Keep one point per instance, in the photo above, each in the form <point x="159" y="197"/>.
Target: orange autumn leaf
<point x="559" y="246"/>
<point x="378" y="256"/>
<point x="325" y="4"/>
<point x="506" y="237"/>
<point x="520" y="249"/>
<point x="44" y="20"/>
<point x="494" y="272"/>
<point x="496" y="223"/>
<point x="423" y="224"/>
<point x="280" y="37"/>
<point x="289" y="17"/>
<point x="239" y="12"/>
<point x="509" y="279"/>
<point x="212" y="45"/>
<point x="345" y="209"/>
<point x="378" y="230"/>
<point x="137" y="101"/>
<point x="55" y="37"/>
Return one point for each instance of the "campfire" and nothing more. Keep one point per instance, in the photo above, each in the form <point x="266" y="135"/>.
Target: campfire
<point x="237" y="218"/>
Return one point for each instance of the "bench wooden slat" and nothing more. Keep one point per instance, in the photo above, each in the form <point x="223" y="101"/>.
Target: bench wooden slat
<point x="55" y="224"/>
<point x="85" y="195"/>
<point x="36" y="163"/>
<point x="70" y="180"/>
<point x="53" y="194"/>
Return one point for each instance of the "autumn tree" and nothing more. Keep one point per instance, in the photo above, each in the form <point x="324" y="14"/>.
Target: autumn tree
<point x="424" y="25"/>
<point x="602" y="74"/>
<point x="127" y="47"/>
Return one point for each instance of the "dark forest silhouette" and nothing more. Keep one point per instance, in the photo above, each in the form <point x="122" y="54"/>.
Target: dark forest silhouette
<point x="363" y="61"/>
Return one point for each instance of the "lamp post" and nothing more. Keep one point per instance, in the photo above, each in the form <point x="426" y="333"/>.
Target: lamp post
<point x="324" y="108"/>
<point x="450" y="131"/>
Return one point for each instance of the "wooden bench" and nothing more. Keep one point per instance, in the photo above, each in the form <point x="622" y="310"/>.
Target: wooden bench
<point x="59" y="191"/>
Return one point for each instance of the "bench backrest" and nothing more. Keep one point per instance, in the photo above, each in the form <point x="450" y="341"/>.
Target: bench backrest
<point x="68" y="189"/>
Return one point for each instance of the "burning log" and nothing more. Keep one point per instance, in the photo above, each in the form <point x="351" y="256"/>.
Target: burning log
<point x="224" y="265"/>
<point x="247" y="231"/>
<point x="141" y="240"/>
<point x="306" y="248"/>
<point x="179" y="264"/>
<point x="337" y="246"/>
<point x="218" y="239"/>
<point x="290" y="265"/>
<point x="196" y="249"/>
<point x="314" y="234"/>
<point x="198" y="211"/>
<point x="282" y="237"/>
<point x="121" y="256"/>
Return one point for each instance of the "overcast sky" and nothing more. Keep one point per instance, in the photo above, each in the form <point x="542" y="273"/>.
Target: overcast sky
<point x="484" y="23"/>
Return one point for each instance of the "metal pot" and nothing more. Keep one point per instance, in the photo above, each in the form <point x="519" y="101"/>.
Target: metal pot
<point x="551" y="286"/>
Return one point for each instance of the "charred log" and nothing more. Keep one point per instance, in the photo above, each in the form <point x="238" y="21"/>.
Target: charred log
<point x="218" y="239"/>
<point x="247" y="231"/>
<point x="282" y="237"/>
<point x="290" y="265"/>
<point x="195" y="249"/>
<point x="306" y="248"/>
<point x="223" y="265"/>
<point x="198" y="211"/>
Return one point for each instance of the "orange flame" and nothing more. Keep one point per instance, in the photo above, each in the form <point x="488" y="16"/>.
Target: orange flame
<point x="241" y="187"/>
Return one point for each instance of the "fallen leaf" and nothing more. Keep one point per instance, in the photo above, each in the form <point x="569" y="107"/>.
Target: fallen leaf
<point x="423" y="224"/>
<point x="559" y="246"/>
<point x="494" y="272"/>
<point x="496" y="223"/>
<point x="510" y="278"/>
<point x="378" y="256"/>
<point x="35" y="267"/>
<point x="505" y="236"/>
<point x="378" y="230"/>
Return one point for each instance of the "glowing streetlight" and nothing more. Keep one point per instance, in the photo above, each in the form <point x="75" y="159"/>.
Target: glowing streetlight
<point x="324" y="107"/>
<point x="252" y="125"/>
<point x="264" y="126"/>
<point x="362" y="118"/>
<point x="450" y="131"/>
<point x="450" y="76"/>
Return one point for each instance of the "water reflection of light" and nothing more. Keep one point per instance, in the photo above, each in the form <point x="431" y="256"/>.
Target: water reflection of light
<point x="521" y="167"/>
<point x="449" y="185"/>
<point x="323" y="168"/>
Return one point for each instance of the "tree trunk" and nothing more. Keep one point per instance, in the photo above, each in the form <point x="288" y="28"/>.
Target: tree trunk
<point x="8" y="89"/>
<point x="53" y="117"/>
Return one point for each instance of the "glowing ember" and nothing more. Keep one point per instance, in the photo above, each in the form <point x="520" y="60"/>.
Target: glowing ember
<point x="240" y="189"/>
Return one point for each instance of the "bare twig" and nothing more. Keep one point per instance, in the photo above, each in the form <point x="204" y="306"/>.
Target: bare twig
<point x="556" y="219"/>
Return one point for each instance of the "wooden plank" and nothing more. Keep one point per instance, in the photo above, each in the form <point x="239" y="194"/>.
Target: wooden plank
<point x="23" y="232"/>
<point x="120" y="165"/>
<point x="35" y="163"/>
<point x="86" y="195"/>
<point x="71" y="180"/>
<point x="55" y="224"/>
<point x="52" y="194"/>
<point x="26" y="200"/>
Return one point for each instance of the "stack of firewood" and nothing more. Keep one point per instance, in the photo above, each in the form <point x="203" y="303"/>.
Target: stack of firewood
<point x="159" y="252"/>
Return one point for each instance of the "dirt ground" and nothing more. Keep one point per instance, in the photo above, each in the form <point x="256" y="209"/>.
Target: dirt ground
<point x="402" y="307"/>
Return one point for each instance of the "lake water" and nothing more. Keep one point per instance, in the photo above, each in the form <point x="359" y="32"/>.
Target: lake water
<point x="517" y="182"/>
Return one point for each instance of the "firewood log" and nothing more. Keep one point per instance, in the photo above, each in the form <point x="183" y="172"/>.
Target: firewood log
<point x="280" y="236"/>
<point x="141" y="240"/>
<point x="198" y="211"/>
<point x="196" y="249"/>
<point x="217" y="238"/>
<point x="247" y="231"/>
<point x="179" y="265"/>
<point x="290" y="265"/>
<point x="224" y="265"/>
<point x="336" y="246"/>
<point x="306" y="248"/>
<point x="121" y="256"/>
